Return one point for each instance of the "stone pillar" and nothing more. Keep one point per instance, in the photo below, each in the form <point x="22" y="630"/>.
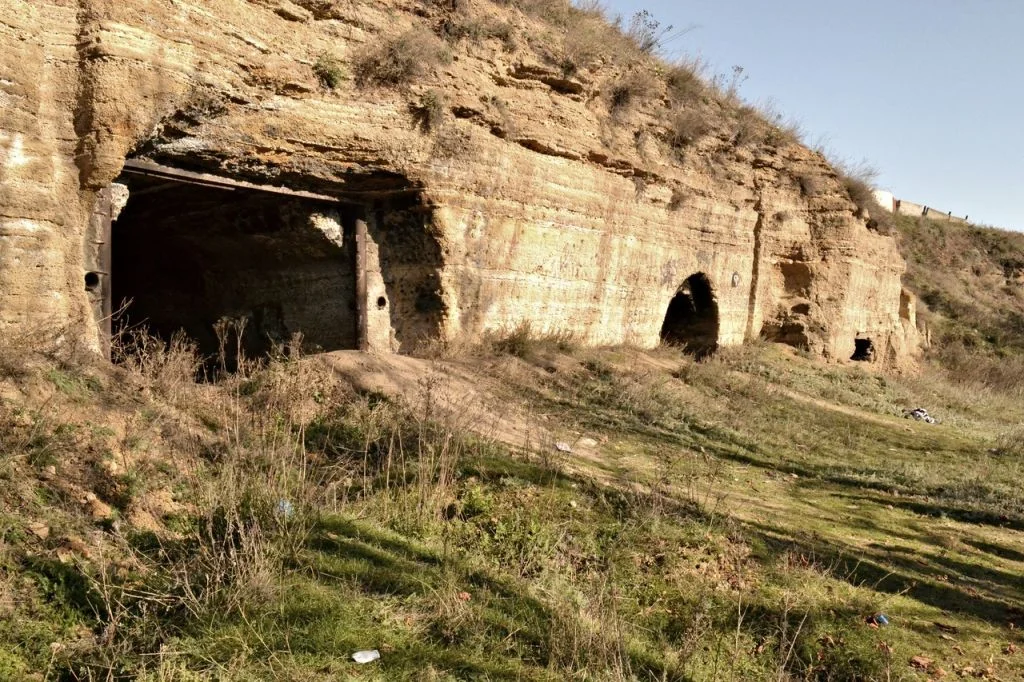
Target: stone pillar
<point x="96" y="262"/>
<point x="377" y="306"/>
<point x="362" y="235"/>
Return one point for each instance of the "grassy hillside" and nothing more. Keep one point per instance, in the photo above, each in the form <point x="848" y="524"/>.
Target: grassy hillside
<point x="737" y="519"/>
<point x="971" y="280"/>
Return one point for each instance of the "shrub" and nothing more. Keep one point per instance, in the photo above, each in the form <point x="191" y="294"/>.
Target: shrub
<point x="684" y="81"/>
<point x="857" y="179"/>
<point x="646" y="33"/>
<point x="632" y="87"/>
<point x="329" y="71"/>
<point x="519" y="342"/>
<point x="508" y="124"/>
<point x="431" y="110"/>
<point x="679" y="199"/>
<point x="810" y="185"/>
<point x="583" y="46"/>
<point x="555" y="12"/>
<point x="749" y="128"/>
<point x="479" y="30"/>
<point x="685" y="128"/>
<point x="400" y="61"/>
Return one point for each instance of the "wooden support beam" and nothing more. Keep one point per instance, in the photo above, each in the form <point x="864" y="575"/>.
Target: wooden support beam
<point x="156" y="170"/>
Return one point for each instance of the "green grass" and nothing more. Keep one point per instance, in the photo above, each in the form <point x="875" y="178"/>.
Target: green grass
<point x="739" y="519"/>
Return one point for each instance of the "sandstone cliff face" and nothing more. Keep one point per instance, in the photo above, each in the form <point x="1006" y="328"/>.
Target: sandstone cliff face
<point x="530" y="203"/>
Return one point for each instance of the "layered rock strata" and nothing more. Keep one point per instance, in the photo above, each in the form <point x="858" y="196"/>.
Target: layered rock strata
<point x="528" y="202"/>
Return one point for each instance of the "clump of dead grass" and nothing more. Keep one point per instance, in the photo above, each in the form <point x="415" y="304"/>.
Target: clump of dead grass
<point x="858" y="180"/>
<point x="401" y="60"/>
<point x="631" y="89"/>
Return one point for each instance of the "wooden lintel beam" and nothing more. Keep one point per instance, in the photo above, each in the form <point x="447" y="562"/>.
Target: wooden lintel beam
<point x="156" y="170"/>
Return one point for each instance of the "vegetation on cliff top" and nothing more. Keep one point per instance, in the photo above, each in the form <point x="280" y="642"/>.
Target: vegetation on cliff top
<point x="617" y="65"/>
<point x="970" y="280"/>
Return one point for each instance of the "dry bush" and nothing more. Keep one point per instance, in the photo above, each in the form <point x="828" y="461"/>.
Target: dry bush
<point x="430" y="113"/>
<point x="858" y="180"/>
<point x="679" y="198"/>
<point x="630" y="89"/>
<point x="171" y="367"/>
<point x="249" y="496"/>
<point x="583" y="46"/>
<point x="400" y="61"/>
<point x="478" y="30"/>
<point x="456" y="6"/>
<point x="685" y="81"/>
<point x="686" y="128"/>
<point x="810" y="184"/>
<point x="781" y="128"/>
<point x="963" y="365"/>
<point x="749" y="129"/>
<point x="329" y="71"/>
<point x="508" y="123"/>
<point x="43" y="342"/>
<point x="559" y="13"/>
<point x="646" y="33"/>
<point x="1011" y="443"/>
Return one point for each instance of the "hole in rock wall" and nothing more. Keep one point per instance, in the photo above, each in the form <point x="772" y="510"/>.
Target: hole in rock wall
<point x="186" y="255"/>
<point x="864" y="350"/>
<point x="692" y="317"/>
<point x="92" y="281"/>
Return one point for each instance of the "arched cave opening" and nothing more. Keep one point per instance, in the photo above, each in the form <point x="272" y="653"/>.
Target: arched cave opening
<point x="863" y="350"/>
<point x="189" y="251"/>
<point x="187" y="255"/>
<point x="692" y="318"/>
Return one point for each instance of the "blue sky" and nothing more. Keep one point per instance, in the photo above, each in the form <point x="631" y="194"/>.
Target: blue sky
<point x="929" y="92"/>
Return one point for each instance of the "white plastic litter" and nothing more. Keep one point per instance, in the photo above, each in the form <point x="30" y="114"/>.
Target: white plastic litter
<point x="366" y="656"/>
<point x="920" y="414"/>
<point x="285" y="508"/>
<point x="563" y="447"/>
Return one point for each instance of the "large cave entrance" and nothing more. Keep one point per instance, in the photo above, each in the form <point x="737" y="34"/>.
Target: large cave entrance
<point x="692" y="317"/>
<point x="187" y="254"/>
<point x="173" y="251"/>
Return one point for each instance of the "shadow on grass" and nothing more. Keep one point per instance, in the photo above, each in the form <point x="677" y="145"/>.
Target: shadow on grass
<point x="499" y="622"/>
<point x="904" y="573"/>
<point x="996" y="549"/>
<point x="939" y="509"/>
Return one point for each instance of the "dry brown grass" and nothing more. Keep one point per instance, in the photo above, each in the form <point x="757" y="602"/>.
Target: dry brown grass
<point x="686" y="82"/>
<point x="631" y="89"/>
<point x="686" y="128"/>
<point x="401" y="60"/>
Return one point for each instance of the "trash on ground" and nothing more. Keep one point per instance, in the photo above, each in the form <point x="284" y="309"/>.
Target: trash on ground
<point x="920" y="414"/>
<point x="285" y="508"/>
<point x="368" y="656"/>
<point x="563" y="447"/>
<point x="878" y="619"/>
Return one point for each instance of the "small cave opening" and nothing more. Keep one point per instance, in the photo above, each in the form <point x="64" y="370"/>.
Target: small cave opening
<point x="186" y="256"/>
<point x="864" y="350"/>
<point x="692" y="319"/>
